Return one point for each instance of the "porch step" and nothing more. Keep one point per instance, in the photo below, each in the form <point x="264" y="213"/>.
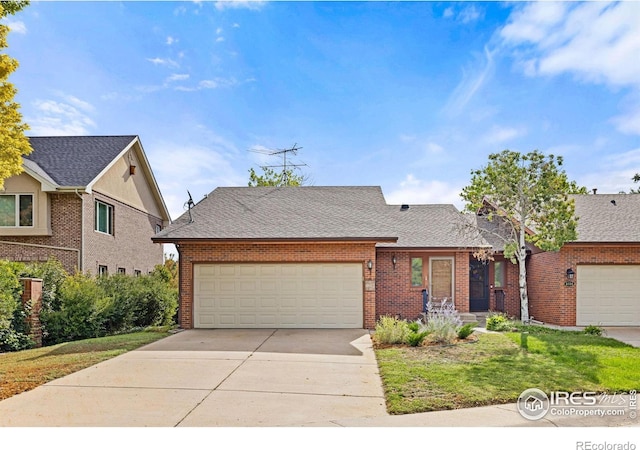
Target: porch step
<point x="468" y="318"/>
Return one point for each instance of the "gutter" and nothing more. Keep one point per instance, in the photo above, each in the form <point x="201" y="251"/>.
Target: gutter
<point x="50" y="247"/>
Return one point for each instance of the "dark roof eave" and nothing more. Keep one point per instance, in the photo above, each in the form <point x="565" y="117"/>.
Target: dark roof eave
<point x="601" y="243"/>
<point x="167" y="240"/>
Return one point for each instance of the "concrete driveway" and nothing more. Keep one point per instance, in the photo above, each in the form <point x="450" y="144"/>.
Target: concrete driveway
<point x="628" y="335"/>
<point x="216" y="378"/>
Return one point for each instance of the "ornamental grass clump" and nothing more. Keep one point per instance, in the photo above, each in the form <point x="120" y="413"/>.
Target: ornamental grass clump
<point x="499" y="322"/>
<point x="443" y="322"/>
<point x="391" y="330"/>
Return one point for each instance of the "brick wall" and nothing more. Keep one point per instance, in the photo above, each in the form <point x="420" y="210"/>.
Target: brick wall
<point x="130" y="247"/>
<point x="394" y="294"/>
<point x="549" y="299"/>
<point x="65" y="234"/>
<point x="192" y="253"/>
<point x="32" y="294"/>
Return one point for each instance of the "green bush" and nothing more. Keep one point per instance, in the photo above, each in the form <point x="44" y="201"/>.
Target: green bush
<point x="53" y="275"/>
<point x="499" y="322"/>
<point x="82" y="302"/>
<point x="416" y="338"/>
<point x="390" y="330"/>
<point x="593" y="330"/>
<point x="465" y="330"/>
<point x="14" y="330"/>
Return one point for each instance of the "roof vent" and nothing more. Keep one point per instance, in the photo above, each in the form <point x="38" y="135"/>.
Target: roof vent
<point x="613" y="202"/>
<point x="404" y="207"/>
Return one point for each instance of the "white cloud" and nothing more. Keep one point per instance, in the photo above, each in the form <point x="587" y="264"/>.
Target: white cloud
<point x="236" y="4"/>
<point x="614" y="174"/>
<point x="470" y="14"/>
<point x="178" y="77"/>
<point x="171" y="40"/>
<point x="500" y="135"/>
<point x="61" y="118"/>
<point x="471" y="83"/>
<point x="415" y="191"/>
<point x="448" y="12"/>
<point x="220" y="39"/>
<point x="596" y="42"/>
<point x="163" y="62"/>
<point x="16" y="26"/>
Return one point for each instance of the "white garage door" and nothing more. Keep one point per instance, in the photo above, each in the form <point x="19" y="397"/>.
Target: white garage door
<point x="608" y="295"/>
<point x="278" y="295"/>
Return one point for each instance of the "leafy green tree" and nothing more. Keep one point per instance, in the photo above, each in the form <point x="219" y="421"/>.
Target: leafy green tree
<point x="635" y="179"/>
<point x="528" y="195"/>
<point x="13" y="142"/>
<point x="272" y="178"/>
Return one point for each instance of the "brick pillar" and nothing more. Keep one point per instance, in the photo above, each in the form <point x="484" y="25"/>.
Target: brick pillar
<point x="32" y="292"/>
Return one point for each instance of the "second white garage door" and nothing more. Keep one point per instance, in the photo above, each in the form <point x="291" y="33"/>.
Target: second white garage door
<point x="608" y="295"/>
<point x="309" y="295"/>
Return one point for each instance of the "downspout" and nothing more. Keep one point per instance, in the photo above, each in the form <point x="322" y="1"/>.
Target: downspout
<point x="50" y="247"/>
<point x="179" y="287"/>
<point x="81" y="251"/>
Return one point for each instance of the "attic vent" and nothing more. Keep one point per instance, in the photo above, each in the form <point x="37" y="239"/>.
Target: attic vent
<point x="404" y="207"/>
<point x="613" y="202"/>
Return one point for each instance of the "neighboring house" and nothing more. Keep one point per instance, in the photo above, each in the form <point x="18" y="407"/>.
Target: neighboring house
<point x="594" y="280"/>
<point x="91" y="202"/>
<point x="320" y="257"/>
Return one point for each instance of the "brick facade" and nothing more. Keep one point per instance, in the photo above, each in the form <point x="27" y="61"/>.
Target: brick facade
<point x="550" y="300"/>
<point x="394" y="294"/>
<point x="64" y="243"/>
<point x="130" y="247"/>
<point x="204" y="252"/>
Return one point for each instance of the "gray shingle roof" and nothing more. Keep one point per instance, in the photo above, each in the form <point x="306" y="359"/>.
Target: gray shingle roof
<point x="305" y="213"/>
<point x="430" y="226"/>
<point x="76" y="160"/>
<point x="599" y="220"/>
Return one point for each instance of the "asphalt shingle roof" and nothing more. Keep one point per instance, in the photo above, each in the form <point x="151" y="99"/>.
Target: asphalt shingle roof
<point x="307" y="212"/>
<point x="608" y="217"/>
<point x="75" y="160"/>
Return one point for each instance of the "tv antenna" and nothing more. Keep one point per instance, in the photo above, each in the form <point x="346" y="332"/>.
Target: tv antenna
<point x="285" y="164"/>
<point x="188" y="205"/>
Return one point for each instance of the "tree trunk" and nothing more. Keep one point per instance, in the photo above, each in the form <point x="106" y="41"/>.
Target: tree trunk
<point x="522" y="278"/>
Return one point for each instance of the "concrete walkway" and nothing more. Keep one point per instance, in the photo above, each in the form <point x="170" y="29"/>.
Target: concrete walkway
<point x="247" y="378"/>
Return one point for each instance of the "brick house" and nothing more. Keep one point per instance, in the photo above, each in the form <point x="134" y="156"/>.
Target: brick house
<point x="91" y="202"/>
<point x="594" y="280"/>
<point x="324" y="257"/>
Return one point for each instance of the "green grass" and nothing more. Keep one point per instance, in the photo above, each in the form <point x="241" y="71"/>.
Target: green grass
<point x="498" y="367"/>
<point x="25" y="370"/>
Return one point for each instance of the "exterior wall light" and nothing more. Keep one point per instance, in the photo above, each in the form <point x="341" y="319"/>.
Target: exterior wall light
<point x="394" y="260"/>
<point x="570" y="273"/>
<point x="369" y="265"/>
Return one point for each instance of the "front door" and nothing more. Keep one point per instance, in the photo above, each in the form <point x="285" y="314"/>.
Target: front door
<point x="478" y="286"/>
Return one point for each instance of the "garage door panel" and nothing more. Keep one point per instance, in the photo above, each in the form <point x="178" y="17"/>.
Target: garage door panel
<point x="307" y="295"/>
<point x="608" y="295"/>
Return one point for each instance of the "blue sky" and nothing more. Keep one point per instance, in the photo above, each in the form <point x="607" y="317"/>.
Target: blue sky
<point x="410" y="96"/>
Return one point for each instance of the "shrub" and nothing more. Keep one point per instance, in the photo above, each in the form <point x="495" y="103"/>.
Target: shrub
<point x="79" y="316"/>
<point x="465" y="330"/>
<point x="443" y="322"/>
<point x="499" y="322"/>
<point x="390" y="330"/>
<point x="593" y="330"/>
<point x="416" y="338"/>
<point x="14" y="330"/>
<point x="53" y="275"/>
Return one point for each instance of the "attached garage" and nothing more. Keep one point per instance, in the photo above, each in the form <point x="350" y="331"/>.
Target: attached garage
<point x="278" y="295"/>
<point x="608" y="295"/>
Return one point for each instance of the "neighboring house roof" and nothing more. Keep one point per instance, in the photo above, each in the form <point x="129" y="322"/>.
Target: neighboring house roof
<point x="76" y="161"/>
<point x="608" y="217"/>
<point x="285" y="213"/>
<point x="430" y="226"/>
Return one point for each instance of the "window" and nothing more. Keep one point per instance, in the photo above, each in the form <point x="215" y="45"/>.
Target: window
<point x="122" y="271"/>
<point x="498" y="274"/>
<point x="158" y="228"/>
<point x="16" y="210"/>
<point x="441" y="278"/>
<point x="104" y="218"/>
<point x="416" y="272"/>
<point x="137" y="273"/>
<point x="103" y="271"/>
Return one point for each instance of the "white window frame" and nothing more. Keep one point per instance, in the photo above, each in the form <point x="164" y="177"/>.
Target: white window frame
<point x="16" y="213"/>
<point x="109" y="218"/>
<point x="103" y="270"/>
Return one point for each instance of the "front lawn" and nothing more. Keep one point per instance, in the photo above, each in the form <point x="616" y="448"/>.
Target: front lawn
<point x="28" y="369"/>
<point x="498" y="367"/>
